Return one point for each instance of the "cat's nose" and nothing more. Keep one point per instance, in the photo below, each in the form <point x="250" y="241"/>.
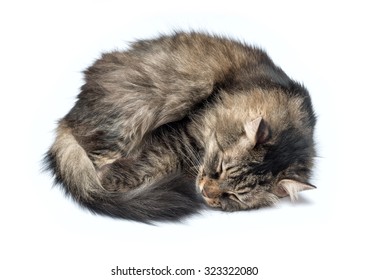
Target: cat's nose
<point x="210" y="192"/>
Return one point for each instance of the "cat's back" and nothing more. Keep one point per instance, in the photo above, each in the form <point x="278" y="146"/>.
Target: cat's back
<point x="182" y="54"/>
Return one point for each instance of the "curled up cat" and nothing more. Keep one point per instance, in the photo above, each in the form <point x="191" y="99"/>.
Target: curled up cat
<point x="181" y="121"/>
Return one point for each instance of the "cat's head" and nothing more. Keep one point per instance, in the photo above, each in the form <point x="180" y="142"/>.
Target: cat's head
<point x="254" y="164"/>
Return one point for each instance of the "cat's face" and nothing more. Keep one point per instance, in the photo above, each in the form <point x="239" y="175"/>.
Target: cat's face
<point x="251" y="167"/>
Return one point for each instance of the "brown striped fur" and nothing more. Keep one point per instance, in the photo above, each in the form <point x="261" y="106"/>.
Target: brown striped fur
<point x="153" y="121"/>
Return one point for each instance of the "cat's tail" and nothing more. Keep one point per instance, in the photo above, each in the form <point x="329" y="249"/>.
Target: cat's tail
<point x="171" y="199"/>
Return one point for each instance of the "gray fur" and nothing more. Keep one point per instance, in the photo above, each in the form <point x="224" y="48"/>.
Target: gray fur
<point x="166" y="114"/>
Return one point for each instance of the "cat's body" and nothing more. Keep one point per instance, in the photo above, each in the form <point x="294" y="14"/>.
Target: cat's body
<point x="190" y="109"/>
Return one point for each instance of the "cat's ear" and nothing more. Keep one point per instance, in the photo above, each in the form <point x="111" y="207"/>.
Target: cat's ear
<point x="257" y="131"/>
<point x="289" y="187"/>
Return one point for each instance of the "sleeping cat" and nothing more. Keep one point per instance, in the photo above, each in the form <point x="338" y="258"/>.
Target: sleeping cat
<point x="180" y="120"/>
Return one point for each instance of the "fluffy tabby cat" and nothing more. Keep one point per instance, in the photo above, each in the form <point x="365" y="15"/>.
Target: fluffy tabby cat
<point x="181" y="119"/>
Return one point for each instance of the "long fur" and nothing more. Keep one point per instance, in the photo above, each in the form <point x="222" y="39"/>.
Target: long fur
<point x="169" y="199"/>
<point x="138" y="138"/>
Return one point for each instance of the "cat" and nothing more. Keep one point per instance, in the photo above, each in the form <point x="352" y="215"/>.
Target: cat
<point x="181" y="121"/>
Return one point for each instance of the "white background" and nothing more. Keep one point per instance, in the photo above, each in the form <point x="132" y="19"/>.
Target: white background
<point x="45" y="46"/>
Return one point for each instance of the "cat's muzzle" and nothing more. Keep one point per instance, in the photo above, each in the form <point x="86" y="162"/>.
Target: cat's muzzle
<point x="210" y="191"/>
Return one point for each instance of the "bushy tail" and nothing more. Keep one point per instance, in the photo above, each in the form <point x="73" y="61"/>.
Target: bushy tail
<point x="170" y="199"/>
